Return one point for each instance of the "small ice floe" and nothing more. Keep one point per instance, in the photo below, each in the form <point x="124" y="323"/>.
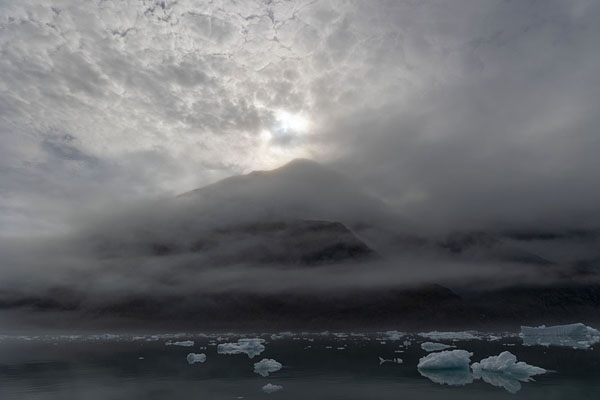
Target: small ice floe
<point x="435" y="335"/>
<point x="270" y="388"/>
<point x="251" y="347"/>
<point x="451" y="377"/>
<point x="449" y="359"/>
<point x="430" y="346"/>
<point x="329" y="347"/>
<point x="577" y="336"/>
<point x="185" y="343"/>
<point x="267" y="365"/>
<point x="193" y="358"/>
<point x="504" y="371"/>
<point x="140" y="358"/>
<point x="391" y="360"/>
<point x="407" y="343"/>
<point x="281" y="335"/>
<point x="394" y="335"/>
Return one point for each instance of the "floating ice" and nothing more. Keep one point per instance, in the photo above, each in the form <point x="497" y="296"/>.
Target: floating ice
<point x="281" y="335"/>
<point x="504" y="371"/>
<point x="266" y="366"/>
<point x="430" y="346"/>
<point x="451" y="377"/>
<point x="186" y="343"/>
<point x="251" y="347"/>
<point x="394" y="335"/>
<point x="391" y="360"/>
<point x="450" y="359"/>
<point x="435" y="335"/>
<point x="578" y="336"/>
<point x="506" y="363"/>
<point x="193" y="358"/>
<point x="270" y="388"/>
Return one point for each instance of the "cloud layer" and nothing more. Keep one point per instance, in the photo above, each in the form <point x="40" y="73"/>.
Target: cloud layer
<point x="470" y="114"/>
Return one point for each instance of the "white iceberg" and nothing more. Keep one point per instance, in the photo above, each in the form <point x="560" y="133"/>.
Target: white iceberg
<point x="270" y="388"/>
<point x="185" y="343"/>
<point x="435" y="335"/>
<point x="578" y="336"/>
<point x="451" y="377"/>
<point x="449" y="359"/>
<point x="251" y="347"/>
<point x="504" y="371"/>
<point x="267" y="365"/>
<point x="193" y="358"/>
<point x="430" y="346"/>
<point x="506" y="363"/>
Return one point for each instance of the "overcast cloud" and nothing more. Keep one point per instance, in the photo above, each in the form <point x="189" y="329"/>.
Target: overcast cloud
<point x="462" y="114"/>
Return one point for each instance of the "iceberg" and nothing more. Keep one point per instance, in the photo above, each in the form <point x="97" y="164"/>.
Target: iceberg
<point x="251" y="347"/>
<point x="506" y="363"/>
<point x="267" y="365"/>
<point x="185" y="343"/>
<point x="504" y="371"/>
<point x="578" y="336"/>
<point x="270" y="388"/>
<point x="430" y="346"/>
<point x="435" y="335"/>
<point x="193" y="358"/>
<point x="451" y="377"/>
<point x="449" y="359"/>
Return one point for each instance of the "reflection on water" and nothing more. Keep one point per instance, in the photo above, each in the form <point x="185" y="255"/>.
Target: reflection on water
<point x="326" y="366"/>
<point x="451" y="377"/>
<point x="508" y="382"/>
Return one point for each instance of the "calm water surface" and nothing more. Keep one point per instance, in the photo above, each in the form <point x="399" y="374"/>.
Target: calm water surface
<point x="314" y="367"/>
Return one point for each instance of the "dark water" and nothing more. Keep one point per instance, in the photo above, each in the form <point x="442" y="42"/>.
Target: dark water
<point x="331" y="368"/>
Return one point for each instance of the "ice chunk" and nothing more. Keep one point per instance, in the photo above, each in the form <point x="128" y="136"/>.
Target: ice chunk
<point x="267" y="365"/>
<point x="506" y="363"/>
<point x="430" y="346"/>
<point x="392" y="360"/>
<point x="394" y="335"/>
<point x="504" y="371"/>
<point x="451" y="377"/>
<point x="185" y="343"/>
<point x="435" y="335"/>
<point x="449" y="359"/>
<point x="251" y="347"/>
<point x="193" y="358"/>
<point x="578" y="336"/>
<point x="270" y="388"/>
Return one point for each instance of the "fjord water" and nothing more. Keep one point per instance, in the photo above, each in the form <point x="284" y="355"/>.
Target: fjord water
<point x="314" y="366"/>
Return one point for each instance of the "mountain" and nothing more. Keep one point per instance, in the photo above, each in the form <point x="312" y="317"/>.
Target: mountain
<point x="302" y="246"/>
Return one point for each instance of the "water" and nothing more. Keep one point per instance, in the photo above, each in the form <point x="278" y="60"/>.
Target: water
<point x="314" y="367"/>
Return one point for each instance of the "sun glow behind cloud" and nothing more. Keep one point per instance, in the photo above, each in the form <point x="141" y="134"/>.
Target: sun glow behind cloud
<point x="291" y="123"/>
<point x="285" y="140"/>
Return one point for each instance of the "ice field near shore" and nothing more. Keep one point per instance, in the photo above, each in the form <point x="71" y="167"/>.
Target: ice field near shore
<point x="325" y="364"/>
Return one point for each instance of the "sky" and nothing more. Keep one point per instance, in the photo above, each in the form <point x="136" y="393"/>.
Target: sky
<point x="469" y="114"/>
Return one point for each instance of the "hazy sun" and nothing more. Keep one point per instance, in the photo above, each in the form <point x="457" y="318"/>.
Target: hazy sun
<point x="291" y="123"/>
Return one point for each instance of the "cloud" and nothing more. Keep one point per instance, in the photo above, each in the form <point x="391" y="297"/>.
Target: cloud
<point x="460" y="115"/>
